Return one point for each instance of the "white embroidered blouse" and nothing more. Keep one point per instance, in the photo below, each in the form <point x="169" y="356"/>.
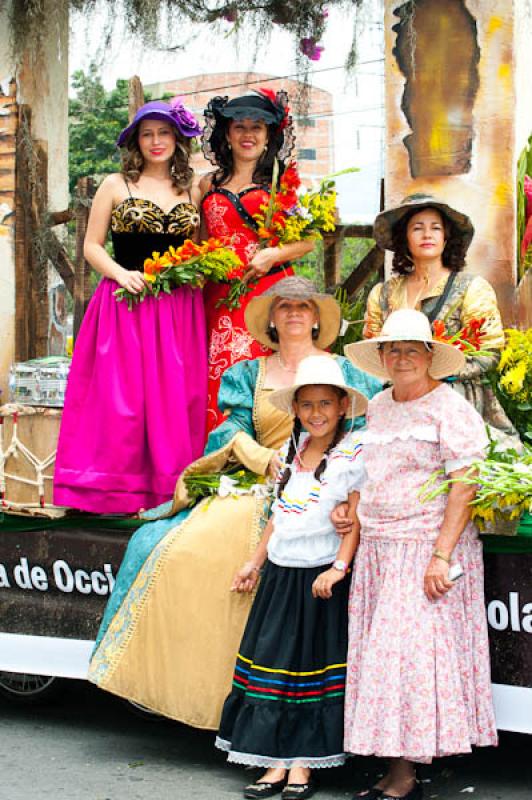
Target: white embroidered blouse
<point x="303" y="534"/>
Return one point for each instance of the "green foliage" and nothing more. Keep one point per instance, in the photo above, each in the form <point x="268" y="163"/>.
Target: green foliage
<point x="96" y="117"/>
<point x="524" y="167"/>
<point x="353" y="251"/>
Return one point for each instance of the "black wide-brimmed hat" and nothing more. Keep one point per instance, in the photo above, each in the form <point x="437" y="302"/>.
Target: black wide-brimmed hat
<point x="388" y="219"/>
<point x="265" y="104"/>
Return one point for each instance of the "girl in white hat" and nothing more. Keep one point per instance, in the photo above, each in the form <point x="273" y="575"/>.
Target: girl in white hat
<point x="285" y="711"/>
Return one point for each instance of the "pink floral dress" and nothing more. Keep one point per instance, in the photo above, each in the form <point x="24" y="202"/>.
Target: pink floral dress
<point x="418" y="674"/>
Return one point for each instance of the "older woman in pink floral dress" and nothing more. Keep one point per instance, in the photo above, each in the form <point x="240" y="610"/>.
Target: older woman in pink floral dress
<point x="418" y="674"/>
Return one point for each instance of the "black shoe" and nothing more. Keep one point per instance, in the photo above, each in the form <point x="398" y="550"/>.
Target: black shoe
<point x="297" y="791"/>
<point x="369" y="794"/>
<point x="415" y="793"/>
<point x="264" y="788"/>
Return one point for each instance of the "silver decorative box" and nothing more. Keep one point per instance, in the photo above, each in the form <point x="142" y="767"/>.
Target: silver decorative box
<point x="39" y="382"/>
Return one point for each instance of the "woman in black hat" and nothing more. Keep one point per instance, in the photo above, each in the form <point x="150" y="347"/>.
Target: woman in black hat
<point x="242" y="138"/>
<point x="429" y="240"/>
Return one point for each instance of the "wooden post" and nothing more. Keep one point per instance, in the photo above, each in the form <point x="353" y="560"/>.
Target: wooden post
<point x="40" y="252"/>
<point x="135" y="95"/>
<point x="31" y="244"/>
<point x="332" y="261"/>
<point x="23" y="231"/>
<point x="82" y="288"/>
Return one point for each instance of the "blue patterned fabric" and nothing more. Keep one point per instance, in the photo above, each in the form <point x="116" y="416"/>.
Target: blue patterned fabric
<point x="236" y="396"/>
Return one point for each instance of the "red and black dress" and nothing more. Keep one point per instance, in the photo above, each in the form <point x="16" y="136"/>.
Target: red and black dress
<point x="231" y="215"/>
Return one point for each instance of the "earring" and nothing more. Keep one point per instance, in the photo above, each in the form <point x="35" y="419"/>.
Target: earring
<point x="315" y="327"/>
<point x="265" y="148"/>
<point x="271" y="327"/>
<point x="229" y="145"/>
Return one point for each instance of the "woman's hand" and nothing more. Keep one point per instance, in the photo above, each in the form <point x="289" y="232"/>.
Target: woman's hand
<point x="246" y="578"/>
<point x="322" y="586"/>
<point x="340" y="519"/>
<point x="436" y="582"/>
<point x="274" y="466"/>
<point x="261" y="263"/>
<point x="131" y="280"/>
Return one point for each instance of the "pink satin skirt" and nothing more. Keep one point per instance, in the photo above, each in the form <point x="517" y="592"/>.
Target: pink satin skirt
<point x="136" y="402"/>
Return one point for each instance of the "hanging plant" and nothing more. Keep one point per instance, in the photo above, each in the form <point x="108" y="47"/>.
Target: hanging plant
<point x="305" y="20"/>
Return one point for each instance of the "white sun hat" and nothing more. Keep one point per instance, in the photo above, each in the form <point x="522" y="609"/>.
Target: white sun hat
<point x="406" y="325"/>
<point x="314" y="371"/>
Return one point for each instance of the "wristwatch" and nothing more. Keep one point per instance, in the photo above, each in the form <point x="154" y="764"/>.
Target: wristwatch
<point x="341" y="566"/>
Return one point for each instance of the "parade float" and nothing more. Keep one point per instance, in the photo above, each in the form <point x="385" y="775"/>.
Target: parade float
<point x="466" y="139"/>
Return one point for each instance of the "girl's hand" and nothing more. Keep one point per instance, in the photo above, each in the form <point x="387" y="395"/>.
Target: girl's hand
<point x="436" y="582"/>
<point x="131" y="280"/>
<point x="261" y="263"/>
<point x="274" y="466"/>
<point x="339" y="518"/>
<point x="246" y="578"/>
<point x="322" y="586"/>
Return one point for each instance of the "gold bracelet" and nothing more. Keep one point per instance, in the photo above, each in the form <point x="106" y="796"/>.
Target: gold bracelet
<point x="440" y="554"/>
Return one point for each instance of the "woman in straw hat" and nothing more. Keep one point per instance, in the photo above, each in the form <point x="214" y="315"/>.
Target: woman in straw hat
<point x="171" y="629"/>
<point x="285" y="711"/>
<point x="429" y="240"/>
<point x="242" y="139"/>
<point x="131" y="423"/>
<point x="418" y="678"/>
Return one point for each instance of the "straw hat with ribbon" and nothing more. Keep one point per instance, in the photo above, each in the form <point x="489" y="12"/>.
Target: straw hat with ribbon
<point x="406" y="325"/>
<point x="386" y="220"/>
<point x="258" y="310"/>
<point x="319" y="371"/>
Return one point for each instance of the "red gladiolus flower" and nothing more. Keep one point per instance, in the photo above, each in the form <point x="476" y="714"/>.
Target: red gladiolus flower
<point x="287" y="201"/>
<point x="279" y="219"/>
<point x="290" y="179"/>
<point x="438" y="328"/>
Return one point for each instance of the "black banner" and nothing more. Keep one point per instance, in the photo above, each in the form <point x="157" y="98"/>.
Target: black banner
<point x="508" y="588"/>
<point x="56" y="582"/>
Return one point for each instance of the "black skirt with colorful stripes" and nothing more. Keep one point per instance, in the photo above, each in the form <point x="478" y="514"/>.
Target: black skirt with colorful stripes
<point x="287" y="702"/>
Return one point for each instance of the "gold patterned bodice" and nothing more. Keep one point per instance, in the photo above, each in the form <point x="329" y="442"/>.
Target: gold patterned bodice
<point x="135" y="215"/>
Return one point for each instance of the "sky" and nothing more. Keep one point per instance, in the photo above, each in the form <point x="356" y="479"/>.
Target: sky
<point x="357" y="98"/>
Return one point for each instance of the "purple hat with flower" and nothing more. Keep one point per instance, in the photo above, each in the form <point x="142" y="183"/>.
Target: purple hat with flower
<point x="173" y="112"/>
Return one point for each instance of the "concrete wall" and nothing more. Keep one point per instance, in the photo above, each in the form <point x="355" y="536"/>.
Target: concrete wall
<point x="41" y="83"/>
<point x="7" y="205"/>
<point x="500" y="113"/>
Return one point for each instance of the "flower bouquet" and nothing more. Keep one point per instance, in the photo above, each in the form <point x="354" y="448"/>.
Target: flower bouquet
<point x="189" y="265"/>
<point x="514" y="386"/>
<point x="504" y="493"/>
<point x="290" y="217"/>
<point x="226" y="484"/>
<point x="468" y="339"/>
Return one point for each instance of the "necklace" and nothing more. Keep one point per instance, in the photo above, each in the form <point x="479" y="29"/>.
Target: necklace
<point x="283" y="365"/>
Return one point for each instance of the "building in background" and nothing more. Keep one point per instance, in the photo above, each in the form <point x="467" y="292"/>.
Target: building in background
<point x="313" y="126"/>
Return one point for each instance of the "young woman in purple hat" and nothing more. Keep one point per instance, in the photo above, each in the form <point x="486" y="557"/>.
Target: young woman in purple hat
<point x="131" y="422"/>
<point x="242" y="137"/>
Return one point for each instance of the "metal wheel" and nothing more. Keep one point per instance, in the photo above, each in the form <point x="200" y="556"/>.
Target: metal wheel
<point x="23" y="688"/>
